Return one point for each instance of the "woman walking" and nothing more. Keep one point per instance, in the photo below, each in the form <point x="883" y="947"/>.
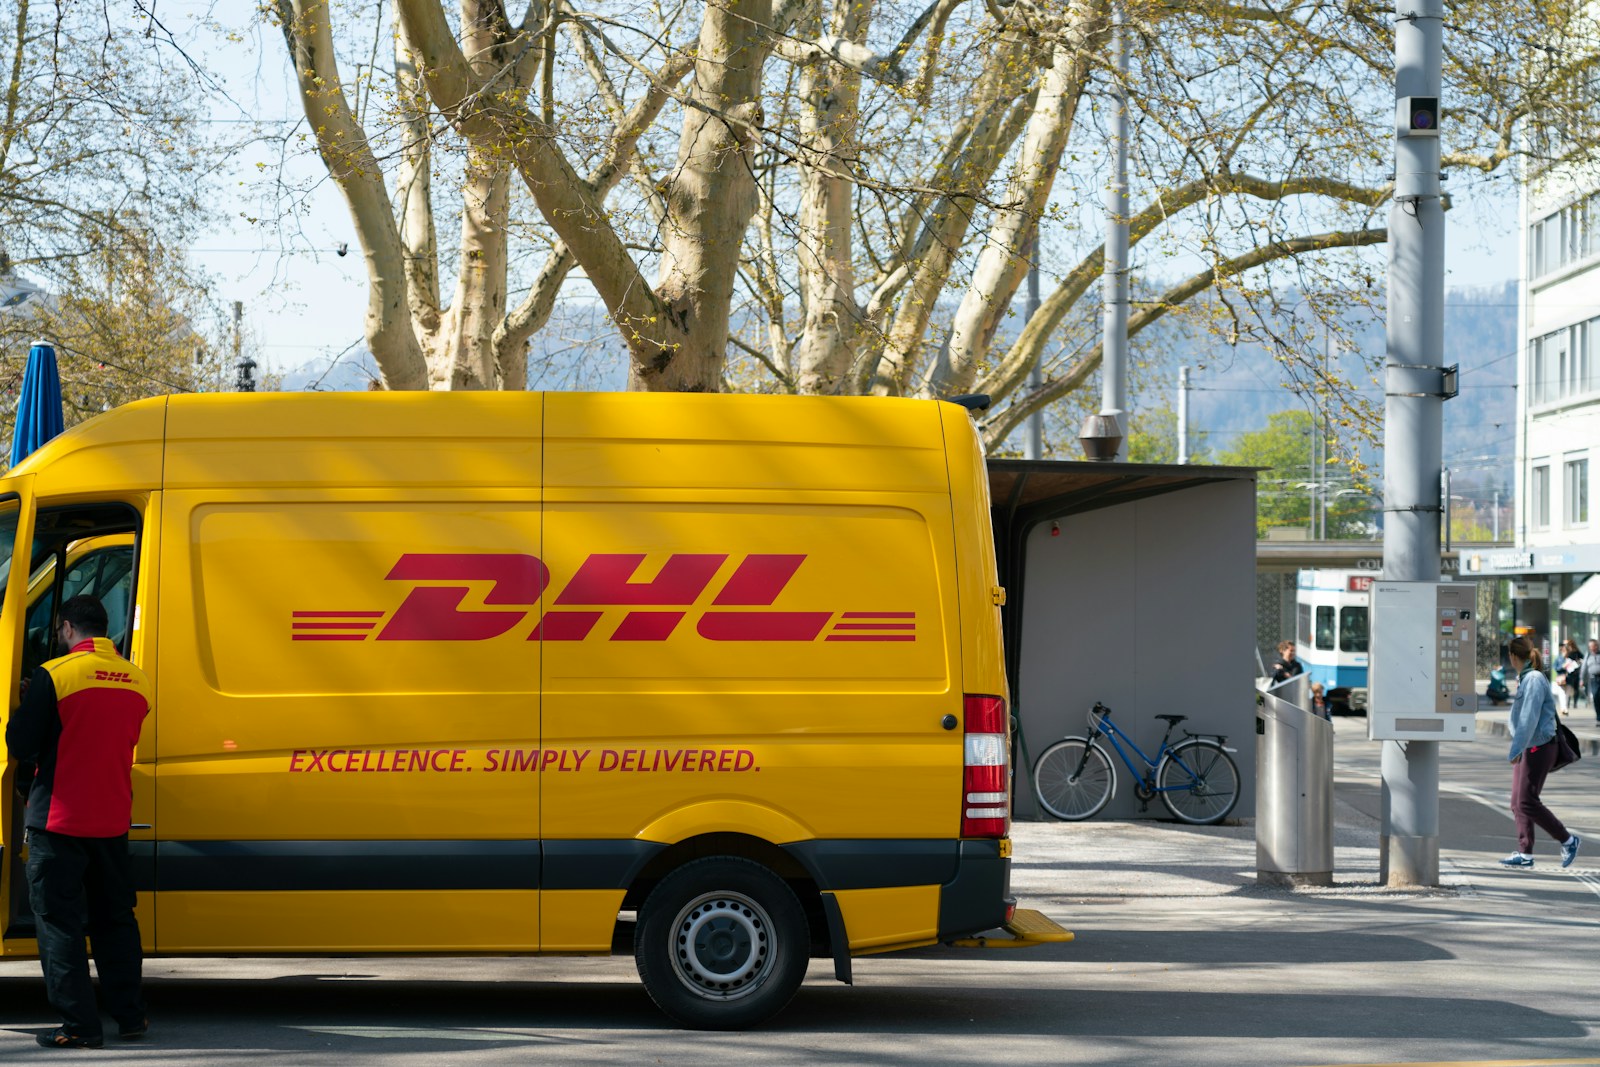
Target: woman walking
<point x="1533" y="753"/>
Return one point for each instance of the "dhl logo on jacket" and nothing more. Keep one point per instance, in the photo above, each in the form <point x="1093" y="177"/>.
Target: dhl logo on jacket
<point x="101" y="700"/>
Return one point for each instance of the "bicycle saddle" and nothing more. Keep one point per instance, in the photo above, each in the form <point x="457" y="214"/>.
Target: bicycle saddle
<point x="1173" y="719"/>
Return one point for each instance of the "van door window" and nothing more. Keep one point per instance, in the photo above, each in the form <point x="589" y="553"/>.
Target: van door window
<point x="10" y="515"/>
<point x="82" y="550"/>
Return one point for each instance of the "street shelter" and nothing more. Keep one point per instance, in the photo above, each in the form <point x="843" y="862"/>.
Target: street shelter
<point x="1133" y="585"/>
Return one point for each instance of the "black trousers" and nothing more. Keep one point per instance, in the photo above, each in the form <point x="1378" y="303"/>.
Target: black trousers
<point x="83" y="886"/>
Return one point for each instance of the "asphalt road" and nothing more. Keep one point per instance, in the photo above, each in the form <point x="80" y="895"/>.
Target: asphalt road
<point x="1180" y="959"/>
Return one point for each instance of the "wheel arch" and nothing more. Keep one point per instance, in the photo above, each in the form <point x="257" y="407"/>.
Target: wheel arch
<point x="775" y="858"/>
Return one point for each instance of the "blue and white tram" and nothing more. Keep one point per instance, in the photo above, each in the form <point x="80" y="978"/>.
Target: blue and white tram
<point x="1332" y="628"/>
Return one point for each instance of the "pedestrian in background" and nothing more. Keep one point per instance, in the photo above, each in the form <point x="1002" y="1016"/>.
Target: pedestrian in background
<point x="1533" y="754"/>
<point x="1591" y="676"/>
<point x="79" y="722"/>
<point x="1287" y="666"/>
<point x="1569" y="662"/>
<point x="1319" y="702"/>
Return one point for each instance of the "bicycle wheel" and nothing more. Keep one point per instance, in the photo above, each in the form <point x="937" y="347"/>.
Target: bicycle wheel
<point x="1198" y="781"/>
<point x="1073" y="779"/>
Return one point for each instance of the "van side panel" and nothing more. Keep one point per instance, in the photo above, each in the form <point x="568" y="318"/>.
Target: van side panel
<point x="348" y="760"/>
<point x="757" y="631"/>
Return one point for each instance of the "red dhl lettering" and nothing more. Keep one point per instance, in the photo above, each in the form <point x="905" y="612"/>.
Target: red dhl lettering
<point x="521" y="760"/>
<point x="517" y="581"/>
<point x="114" y="676"/>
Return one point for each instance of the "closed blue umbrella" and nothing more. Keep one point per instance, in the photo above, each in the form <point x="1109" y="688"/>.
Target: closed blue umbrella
<point x="39" y="411"/>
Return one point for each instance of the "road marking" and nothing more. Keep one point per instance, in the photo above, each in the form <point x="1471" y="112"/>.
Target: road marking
<point x="415" y="1033"/>
<point x="1477" y="1063"/>
<point x="1585" y="877"/>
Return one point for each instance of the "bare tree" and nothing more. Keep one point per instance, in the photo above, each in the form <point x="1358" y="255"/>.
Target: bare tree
<point x="843" y="194"/>
<point x="99" y="139"/>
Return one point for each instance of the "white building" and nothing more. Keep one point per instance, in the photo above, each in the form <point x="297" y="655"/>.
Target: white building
<point x="1557" y="526"/>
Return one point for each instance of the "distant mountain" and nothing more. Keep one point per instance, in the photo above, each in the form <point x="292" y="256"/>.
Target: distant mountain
<point x="1234" y="389"/>
<point x="578" y="349"/>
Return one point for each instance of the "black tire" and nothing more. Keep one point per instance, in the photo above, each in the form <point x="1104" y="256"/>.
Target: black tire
<point x="1070" y="785"/>
<point x="722" y="944"/>
<point x="1199" y="782"/>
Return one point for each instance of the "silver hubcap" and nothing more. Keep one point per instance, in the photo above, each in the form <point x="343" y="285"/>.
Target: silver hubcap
<point x="722" y="945"/>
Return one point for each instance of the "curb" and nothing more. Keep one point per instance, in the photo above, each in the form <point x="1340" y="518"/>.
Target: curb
<point x="1588" y="746"/>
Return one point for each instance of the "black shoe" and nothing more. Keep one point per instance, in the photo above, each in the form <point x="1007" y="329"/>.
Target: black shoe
<point x="61" y="1038"/>
<point x="133" y="1031"/>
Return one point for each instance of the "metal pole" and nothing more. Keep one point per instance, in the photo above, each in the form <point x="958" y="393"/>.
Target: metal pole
<point x="1033" y="446"/>
<point x="243" y="364"/>
<point x="1413" y="444"/>
<point x="1496" y="518"/>
<point x="1449" y="513"/>
<point x="1311" y="476"/>
<point x="1322" y="442"/>
<point x="1114" y="281"/>
<point x="1183" y="414"/>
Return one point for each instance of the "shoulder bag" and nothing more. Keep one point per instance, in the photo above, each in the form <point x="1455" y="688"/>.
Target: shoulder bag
<point x="1566" y="747"/>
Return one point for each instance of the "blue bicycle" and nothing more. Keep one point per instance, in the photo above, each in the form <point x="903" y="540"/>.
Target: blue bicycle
<point x="1196" y="778"/>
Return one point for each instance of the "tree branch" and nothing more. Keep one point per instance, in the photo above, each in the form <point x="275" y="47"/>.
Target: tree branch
<point x="348" y="156"/>
<point x="1008" y="420"/>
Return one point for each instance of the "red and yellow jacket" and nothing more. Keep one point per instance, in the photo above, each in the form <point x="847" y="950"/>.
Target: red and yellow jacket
<point x="79" y="722"/>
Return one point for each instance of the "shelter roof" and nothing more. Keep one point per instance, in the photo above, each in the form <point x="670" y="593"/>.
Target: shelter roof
<point x="1049" y="488"/>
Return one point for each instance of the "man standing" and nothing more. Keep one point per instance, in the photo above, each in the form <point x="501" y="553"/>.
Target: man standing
<point x="1591" y="676"/>
<point x="79" y="722"/>
<point x="1287" y="665"/>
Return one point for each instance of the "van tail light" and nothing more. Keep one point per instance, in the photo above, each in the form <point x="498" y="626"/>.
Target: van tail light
<point x="986" y="779"/>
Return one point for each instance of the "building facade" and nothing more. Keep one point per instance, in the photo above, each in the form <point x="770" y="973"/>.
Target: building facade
<point x="1557" y="546"/>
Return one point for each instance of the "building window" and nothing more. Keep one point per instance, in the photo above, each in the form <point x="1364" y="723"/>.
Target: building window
<point x="1575" y="491"/>
<point x="1539" y="498"/>
<point x="1564" y="238"/>
<point x="1563" y="364"/>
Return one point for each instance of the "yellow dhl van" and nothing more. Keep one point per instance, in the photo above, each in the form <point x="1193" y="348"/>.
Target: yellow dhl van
<point x="713" y="680"/>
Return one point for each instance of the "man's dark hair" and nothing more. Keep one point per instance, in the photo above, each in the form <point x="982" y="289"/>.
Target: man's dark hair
<point x="86" y="614"/>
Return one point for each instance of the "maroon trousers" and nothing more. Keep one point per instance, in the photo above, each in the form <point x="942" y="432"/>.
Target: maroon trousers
<point x="1527" y="781"/>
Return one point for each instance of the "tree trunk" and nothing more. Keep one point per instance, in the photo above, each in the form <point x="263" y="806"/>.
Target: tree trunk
<point x="830" y="95"/>
<point x="1004" y="78"/>
<point x="1003" y="261"/>
<point x="348" y="157"/>
<point x="711" y="199"/>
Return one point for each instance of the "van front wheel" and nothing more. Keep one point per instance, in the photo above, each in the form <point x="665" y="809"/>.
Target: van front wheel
<point x="721" y="944"/>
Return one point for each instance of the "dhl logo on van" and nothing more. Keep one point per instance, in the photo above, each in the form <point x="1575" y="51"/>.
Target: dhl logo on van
<point x="604" y="580"/>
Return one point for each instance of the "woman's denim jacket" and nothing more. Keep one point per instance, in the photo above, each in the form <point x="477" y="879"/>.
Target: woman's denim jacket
<point x="1533" y="712"/>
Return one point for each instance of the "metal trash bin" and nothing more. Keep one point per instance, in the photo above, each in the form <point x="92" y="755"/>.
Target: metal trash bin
<point x="1294" y="794"/>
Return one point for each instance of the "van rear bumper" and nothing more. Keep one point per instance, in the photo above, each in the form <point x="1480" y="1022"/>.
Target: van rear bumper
<point x="979" y="896"/>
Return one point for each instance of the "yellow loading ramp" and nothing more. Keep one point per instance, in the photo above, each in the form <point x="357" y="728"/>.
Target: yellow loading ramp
<point x="1027" y="927"/>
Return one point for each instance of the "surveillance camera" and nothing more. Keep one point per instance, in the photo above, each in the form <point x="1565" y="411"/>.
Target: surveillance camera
<point x="1417" y="116"/>
<point x="344" y="248"/>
